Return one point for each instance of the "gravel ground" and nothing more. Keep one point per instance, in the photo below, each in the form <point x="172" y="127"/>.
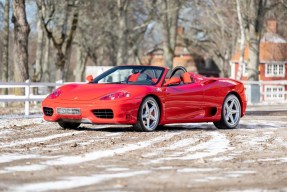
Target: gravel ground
<point x="40" y="156"/>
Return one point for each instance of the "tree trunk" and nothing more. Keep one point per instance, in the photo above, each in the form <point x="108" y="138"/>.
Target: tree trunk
<point x="257" y="13"/>
<point x="122" y="52"/>
<point x="46" y="72"/>
<point x="21" y="33"/>
<point x="254" y="44"/>
<point x="68" y="49"/>
<point x="169" y="28"/>
<point x="5" y="56"/>
<point x="79" y="71"/>
<point x="39" y="52"/>
<point x="63" y="43"/>
<point x="242" y="40"/>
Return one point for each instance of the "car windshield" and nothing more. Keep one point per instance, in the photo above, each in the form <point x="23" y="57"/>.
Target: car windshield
<point x="138" y="75"/>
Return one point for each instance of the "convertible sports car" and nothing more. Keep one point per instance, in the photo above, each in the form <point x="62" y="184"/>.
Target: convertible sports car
<point x="147" y="97"/>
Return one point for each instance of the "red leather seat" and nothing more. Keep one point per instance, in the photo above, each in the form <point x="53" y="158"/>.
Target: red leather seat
<point x="186" y="78"/>
<point x="134" y="77"/>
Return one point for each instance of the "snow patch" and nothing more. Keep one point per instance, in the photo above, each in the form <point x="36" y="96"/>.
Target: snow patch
<point x="217" y="144"/>
<point x="173" y="146"/>
<point x="196" y="170"/>
<point x="164" y="168"/>
<point x="95" y="155"/>
<point x="74" y="182"/>
<point x="107" y="153"/>
<point x="38" y="139"/>
<point x="118" y="169"/>
<point x="236" y="174"/>
<point x="207" y="179"/>
<point x="27" y="168"/>
<point x="6" y="158"/>
<point x="4" y="132"/>
<point x="224" y="158"/>
<point x="11" y="122"/>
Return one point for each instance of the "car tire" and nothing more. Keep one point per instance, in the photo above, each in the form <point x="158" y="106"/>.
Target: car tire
<point x="69" y="125"/>
<point x="148" y="115"/>
<point x="230" y="113"/>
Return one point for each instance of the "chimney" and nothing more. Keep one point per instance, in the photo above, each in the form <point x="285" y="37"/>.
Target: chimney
<point x="271" y="26"/>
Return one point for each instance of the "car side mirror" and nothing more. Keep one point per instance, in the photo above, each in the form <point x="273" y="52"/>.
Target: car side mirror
<point x="172" y="81"/>
<point x="90" y="78"/>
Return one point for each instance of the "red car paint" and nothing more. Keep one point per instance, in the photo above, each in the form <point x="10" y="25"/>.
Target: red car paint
<point x="198" y="101"/>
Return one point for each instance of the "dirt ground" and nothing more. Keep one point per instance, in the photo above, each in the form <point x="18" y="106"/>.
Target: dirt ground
<point x="40" y="156"/>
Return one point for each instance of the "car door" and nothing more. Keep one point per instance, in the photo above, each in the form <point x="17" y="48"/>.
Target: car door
<point x="183" y="102"/>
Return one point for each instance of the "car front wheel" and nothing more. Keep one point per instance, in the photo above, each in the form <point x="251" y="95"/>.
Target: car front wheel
<point x="230" y="114"/>
<point x="148" y="115"/>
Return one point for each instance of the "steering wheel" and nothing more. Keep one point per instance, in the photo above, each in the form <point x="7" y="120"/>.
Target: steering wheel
<point x="177" y="71"/>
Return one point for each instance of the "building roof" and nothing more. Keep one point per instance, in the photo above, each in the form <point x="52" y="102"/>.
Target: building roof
<point x="273" y="47"/>
<point x="269" y="51"/>
<point x="272" y="38"/>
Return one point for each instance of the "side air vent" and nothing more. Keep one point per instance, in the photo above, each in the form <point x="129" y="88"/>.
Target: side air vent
<point x="104" y="113"/>
<point x="48" y="111"/>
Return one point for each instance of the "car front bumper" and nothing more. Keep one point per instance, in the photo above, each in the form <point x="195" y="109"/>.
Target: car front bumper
<point x="124" y="112"/>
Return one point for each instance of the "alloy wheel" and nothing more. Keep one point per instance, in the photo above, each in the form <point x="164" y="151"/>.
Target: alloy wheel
<point x="232" y="111"/>
<point x="150" y="114"/>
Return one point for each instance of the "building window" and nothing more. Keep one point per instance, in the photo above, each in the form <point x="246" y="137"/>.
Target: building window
<point x="275" y="70"/>
<point x="274" y="92"/>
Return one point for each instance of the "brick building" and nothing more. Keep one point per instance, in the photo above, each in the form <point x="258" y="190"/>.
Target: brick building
<point x="273" y="63"/>
<point x="182" y="57"/>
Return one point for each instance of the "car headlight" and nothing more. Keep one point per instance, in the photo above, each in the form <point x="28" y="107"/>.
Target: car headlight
<point x="116" y="95"/>
<point x="55" y="94"/>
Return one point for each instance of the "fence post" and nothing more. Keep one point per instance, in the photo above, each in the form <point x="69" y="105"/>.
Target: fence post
<point x="27" y="96"/>
<point x="59" y="82"/>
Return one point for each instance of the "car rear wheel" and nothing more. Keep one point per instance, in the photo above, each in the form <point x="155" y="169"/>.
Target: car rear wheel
<point x="148" y="115"/>
<point x="69" y="125"/>
<point x="230" y="114"/>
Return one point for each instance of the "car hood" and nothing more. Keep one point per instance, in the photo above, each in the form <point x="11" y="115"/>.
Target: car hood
<point x="86" y="92"/>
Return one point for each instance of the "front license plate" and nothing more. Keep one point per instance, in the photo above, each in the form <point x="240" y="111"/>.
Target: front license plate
<point x="69" y="111"/>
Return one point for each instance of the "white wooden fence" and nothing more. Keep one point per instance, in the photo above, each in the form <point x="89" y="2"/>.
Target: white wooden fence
<point x="278" y="92"/>
<point x="28" y="96"/>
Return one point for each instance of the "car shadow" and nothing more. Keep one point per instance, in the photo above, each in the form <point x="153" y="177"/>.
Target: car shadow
<point x="267" y="113"/>
<point x="111" y="129"/>
<point x="257" y="126"/>
<point x="165" y="128"/>
<point x="175" y="127"/>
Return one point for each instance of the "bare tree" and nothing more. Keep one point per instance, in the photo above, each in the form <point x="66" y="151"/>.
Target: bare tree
<point x="169" y="23"/>
<point x="5" y="55"/>
<point x="1" y="37"/>
<point x="117" y="29"/>
<point x="254" y="16"/>
<point x="46" y="76"/>
<point x="242" y="39"/>
<point x="212" y="31"/>
<point x="21" y="33"/>
<point x="64" y="17"/>
<point x="39" y="52"/>
<point x="79" y="71"/>
<point x="1" y="11"/>
<point x="122" y="6"/>
<point x="98" y="23"/>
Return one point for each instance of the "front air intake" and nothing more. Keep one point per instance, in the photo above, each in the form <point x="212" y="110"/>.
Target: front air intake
<point x="104" y="113"/>
<point x="48" y="111"/>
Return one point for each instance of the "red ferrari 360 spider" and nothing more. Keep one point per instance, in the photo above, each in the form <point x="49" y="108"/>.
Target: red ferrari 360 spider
<point x="146" y="97"/>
